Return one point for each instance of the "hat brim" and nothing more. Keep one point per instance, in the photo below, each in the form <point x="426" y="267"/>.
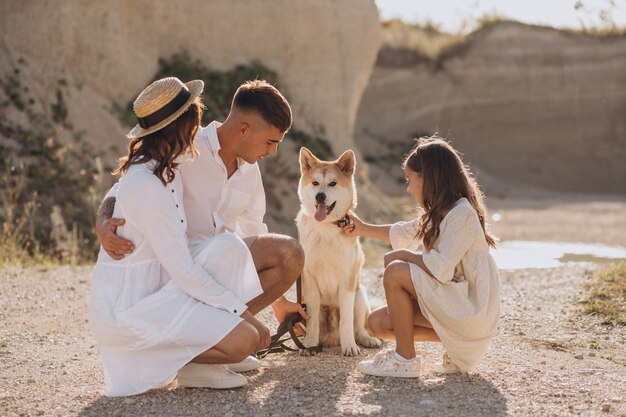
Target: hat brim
<point x="195" y="89"/>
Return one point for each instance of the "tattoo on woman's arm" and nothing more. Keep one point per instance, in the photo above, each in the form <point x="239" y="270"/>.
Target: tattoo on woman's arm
<point x="106" y="208"/>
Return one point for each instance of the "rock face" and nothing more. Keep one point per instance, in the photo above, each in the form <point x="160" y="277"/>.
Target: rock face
<point x="323" y="52"/>
<point x="71" y="61"/>
<point x="528" y="106"/>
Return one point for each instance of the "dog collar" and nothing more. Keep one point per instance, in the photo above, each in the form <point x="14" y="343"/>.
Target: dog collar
<point x="343" y="222"/>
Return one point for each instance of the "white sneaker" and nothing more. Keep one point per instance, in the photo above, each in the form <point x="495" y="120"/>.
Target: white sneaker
<point x="446" y="366"/>
<point x="249" y="364"/>
<point x="166" y="382"/>
<point x="385" y="364"/>
<point x="197" y="375"/>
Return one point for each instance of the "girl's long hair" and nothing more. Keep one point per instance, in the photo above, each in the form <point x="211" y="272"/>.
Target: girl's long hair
<point x="165" y="145"/>
<point x="446" y="179"/>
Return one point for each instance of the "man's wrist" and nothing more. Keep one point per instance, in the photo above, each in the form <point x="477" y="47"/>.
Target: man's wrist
<point x="279" y="300"/>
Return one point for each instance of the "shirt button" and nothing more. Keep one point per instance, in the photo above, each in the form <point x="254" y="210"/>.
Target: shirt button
<point x="176" y="205"/>
<point x="172" y="190"/>
<point x="181" y="220"/>
<point x="235" y="311"/>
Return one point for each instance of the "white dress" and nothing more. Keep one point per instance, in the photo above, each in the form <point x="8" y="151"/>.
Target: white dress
<point x="462" y="302"/>
<point x="155" y="310"/>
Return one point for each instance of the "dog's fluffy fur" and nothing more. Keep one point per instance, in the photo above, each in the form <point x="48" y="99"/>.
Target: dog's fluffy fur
<point x="337" y="304"/>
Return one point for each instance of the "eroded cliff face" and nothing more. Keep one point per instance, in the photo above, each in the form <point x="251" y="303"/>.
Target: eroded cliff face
<point x="71" y="60"/>
<point x="528" y="106"/>
<point x="323" y="52"/>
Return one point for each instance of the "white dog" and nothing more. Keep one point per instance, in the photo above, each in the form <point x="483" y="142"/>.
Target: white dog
<point x="337" y="304"/>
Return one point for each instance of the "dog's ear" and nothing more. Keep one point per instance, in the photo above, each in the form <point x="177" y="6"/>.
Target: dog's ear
<point x="307" y="159"/>
<point x="347" y="162"/>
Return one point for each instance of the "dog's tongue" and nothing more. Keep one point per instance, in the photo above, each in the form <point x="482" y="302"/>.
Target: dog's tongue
<point x="320" y="214"/>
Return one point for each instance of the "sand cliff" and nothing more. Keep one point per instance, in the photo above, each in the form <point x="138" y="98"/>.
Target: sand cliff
<point x="323" y="52"/>
<point x="528" y="106"/>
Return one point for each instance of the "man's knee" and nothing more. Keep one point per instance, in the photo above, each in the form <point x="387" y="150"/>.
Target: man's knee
<point x="291" y="254"/>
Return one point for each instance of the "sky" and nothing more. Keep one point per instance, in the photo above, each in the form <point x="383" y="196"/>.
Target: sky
<point x="462" y="15"/>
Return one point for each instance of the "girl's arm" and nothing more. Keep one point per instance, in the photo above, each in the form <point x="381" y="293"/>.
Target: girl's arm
<point x="407" y="256"/>
<point x="359" y="228"/>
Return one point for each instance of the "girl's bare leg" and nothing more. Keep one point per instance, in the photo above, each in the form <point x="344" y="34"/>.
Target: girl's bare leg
<point x="407" y="325"/>
<point x="380" y="324"/>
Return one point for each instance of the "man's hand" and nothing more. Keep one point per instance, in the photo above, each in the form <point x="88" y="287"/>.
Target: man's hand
<point x="106" y="227"/>
<point x="283" y="308"/>
<point x="114" y="245"/>
<point x="264" y="333"/>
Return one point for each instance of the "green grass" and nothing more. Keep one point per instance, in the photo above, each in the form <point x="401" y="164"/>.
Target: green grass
<point x="607" y="294"/>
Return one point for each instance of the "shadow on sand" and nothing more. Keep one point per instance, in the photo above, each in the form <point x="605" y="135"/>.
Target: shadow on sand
<point x="324" y="385"/>
<point x="453" y="395"/>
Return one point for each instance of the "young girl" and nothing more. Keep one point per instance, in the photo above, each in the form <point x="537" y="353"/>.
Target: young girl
<point x="451" y="291"/>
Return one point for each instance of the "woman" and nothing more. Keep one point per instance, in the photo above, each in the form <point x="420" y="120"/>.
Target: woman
<point x="158" y="309"/>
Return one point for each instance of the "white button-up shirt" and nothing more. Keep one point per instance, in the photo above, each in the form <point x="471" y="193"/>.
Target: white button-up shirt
<point x="216" y="204"/>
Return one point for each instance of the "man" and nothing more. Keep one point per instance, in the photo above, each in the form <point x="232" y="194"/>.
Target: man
<point x="223" y="192"/>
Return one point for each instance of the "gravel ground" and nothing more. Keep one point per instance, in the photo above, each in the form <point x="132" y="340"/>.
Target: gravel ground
<point x="546" y="360"/>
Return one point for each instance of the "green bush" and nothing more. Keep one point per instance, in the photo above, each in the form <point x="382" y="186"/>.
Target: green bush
<point x="219" y="89"/>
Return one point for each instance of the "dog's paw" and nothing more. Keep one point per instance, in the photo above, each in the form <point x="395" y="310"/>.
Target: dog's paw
<point x="310" y="341"/>
<point x="307" y="352"/>
<point x="369" y="341"/>
<point x="350" y="350"/>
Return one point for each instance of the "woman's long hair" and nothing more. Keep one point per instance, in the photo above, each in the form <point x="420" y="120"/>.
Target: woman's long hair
<point x="165" y="145"/>
<point x="446" y="179"/>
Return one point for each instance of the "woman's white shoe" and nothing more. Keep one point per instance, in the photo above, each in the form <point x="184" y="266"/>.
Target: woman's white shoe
<point x="196" y="375"/>
<point x="385" y="364"/>
<point x="249" y="364"/>
<point x="446" y="366"/>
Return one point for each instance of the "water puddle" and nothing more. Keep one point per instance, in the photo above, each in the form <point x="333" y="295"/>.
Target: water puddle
<point x="528" y="254"/>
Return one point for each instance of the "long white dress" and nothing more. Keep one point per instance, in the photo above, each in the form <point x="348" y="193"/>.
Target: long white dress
<point x="158" y="308"/>
<point x="462" y="302"/>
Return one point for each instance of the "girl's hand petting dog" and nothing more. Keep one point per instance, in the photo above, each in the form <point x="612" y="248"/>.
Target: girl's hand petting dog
<point x="355" y="227"/>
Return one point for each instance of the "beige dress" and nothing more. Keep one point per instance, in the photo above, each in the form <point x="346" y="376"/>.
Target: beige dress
<point x="462" y="302"/>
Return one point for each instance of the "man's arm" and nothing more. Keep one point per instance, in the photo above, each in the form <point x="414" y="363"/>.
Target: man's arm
<point x="106" y="226"/>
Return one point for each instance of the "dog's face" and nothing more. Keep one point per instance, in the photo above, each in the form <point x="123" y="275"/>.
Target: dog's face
<point x="326" y="189"/>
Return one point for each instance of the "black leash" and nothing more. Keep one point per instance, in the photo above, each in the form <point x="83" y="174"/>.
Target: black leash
<point x="277" y="343"/>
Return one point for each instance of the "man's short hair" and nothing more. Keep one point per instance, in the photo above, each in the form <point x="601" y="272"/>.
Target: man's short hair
<point x="265" y="99"/>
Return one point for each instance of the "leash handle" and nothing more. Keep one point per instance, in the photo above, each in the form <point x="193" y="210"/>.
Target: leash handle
<point x="299" y="289"/>
<point x="277" y="344"/>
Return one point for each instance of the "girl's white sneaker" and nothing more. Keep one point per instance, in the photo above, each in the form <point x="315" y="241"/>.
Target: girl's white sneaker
<point x="197" y="375"/>
<point x="384" y="363"/>
<point x="446" y="366"/>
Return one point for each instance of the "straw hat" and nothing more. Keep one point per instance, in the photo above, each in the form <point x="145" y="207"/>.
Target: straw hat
<point x="160" y="103"/>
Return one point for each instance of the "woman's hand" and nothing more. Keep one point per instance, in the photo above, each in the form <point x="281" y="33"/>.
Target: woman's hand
<point x="355" y="227"/>
<point x="401" y="255"/>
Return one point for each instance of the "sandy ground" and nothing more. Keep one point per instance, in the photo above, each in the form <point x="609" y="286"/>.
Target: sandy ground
<point x="546" y="360"/>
